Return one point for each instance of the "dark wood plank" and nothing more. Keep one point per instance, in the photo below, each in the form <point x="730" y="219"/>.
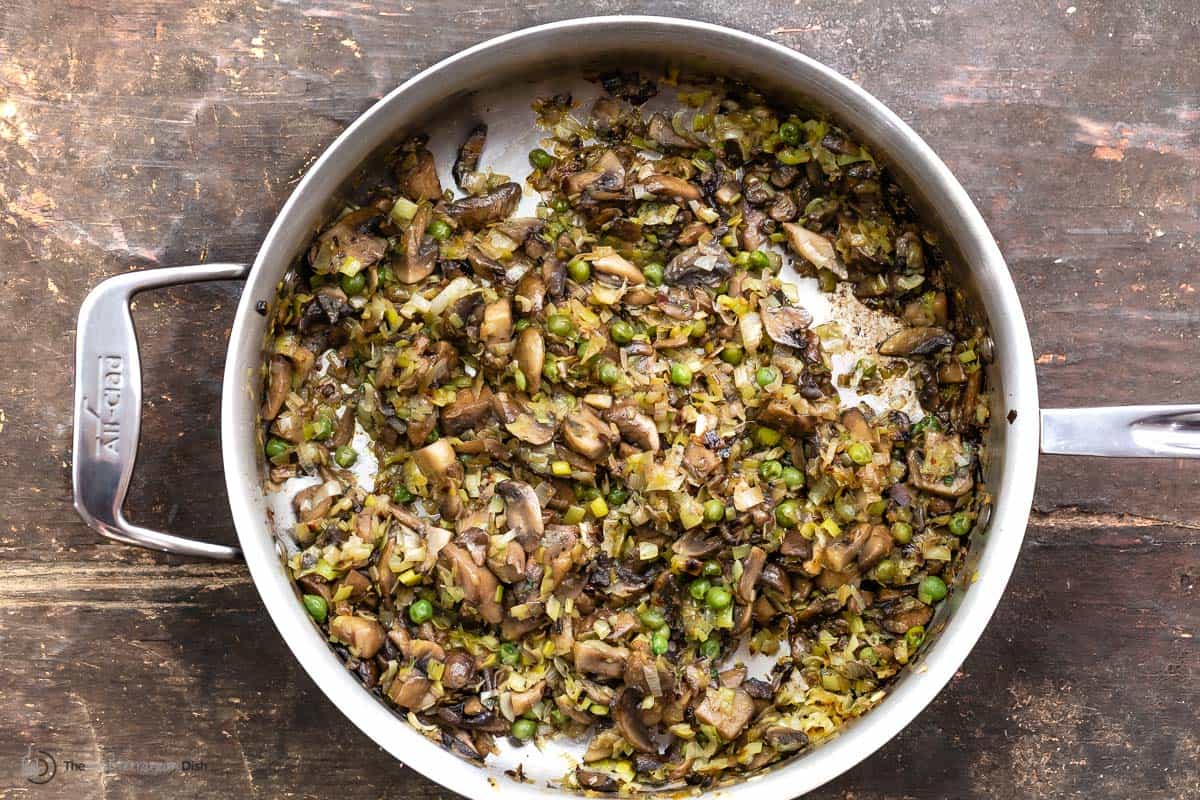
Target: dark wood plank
<point x="154" y="132"/>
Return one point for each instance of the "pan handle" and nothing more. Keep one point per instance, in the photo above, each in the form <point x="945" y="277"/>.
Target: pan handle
<point x="1129" y="431"/>
<point x="108" y="406"/>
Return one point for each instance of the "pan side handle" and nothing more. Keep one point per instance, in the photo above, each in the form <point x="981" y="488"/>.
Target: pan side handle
<point x="1123" y="431"/>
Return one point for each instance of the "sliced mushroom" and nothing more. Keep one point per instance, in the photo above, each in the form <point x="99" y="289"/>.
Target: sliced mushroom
<point x="920" y="341"/>
<point x="469" y="153"/>
<point x="419" y="178"/>
<point x="315" y="501"/>
<point x="706" y="264"/>
<point x="659" y="130"/>
<point x="459" y="670"/>
<point x="729" y="711"/>
<point x="363" y="636"/>
<point x="695" y="544"/>
<point x="604" y="181"/>
<point x="907" y="614"/>
<point x="943" y="452"/>
<point x="523" y="702"/>
<point x="595" y="781"/>
<point x="531" y="293"/>
<point x="587" y="434"/>
<point x="785" y="324"/>
<point x="634" y="426"/>
<point x="629" y="721"/>
<point x="839" y="553"/>
<point x="814" y="248"/>
<point x="857" y="426"/>
<point x="785" y="740"/>
<point x="469" y="409"/>
<point x="436" y="460"/>
<point x="352" y="239"/>
<point x="778" y="414"/>
<point x="279" y="384"/>
<point x="699" y="461"/>
<point x="497" y="325"/>
<point x="531" y="357"/>
<point x="752" y="570"/>
<point x="420" y="253"/>
<point x="670" y="186"/>
<point x="877" y="547"/>
<point x="523" y="512"/>
<point x="478" y="583"/>
<point x="618" y="267"/>
<point x="476" y="212"/>
<point x="599" y="658"/>
<point x="411" y="692"/>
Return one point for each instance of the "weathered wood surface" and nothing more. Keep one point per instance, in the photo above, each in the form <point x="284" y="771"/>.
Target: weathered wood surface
<point x="153" y="132"/>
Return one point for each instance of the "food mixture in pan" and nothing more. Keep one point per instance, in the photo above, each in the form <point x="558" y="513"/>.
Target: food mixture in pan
<point x="583" y="473"/>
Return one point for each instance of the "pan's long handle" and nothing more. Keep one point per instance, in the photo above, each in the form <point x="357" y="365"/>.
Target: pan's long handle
<point x="108" y="406"/>
<point x="1131" y="431"/>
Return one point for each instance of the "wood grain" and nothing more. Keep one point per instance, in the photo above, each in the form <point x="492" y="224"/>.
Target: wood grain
<point x="142" y="133"/>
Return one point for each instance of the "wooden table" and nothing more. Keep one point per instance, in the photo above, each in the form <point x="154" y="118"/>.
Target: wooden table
<point x="143" y="133"/>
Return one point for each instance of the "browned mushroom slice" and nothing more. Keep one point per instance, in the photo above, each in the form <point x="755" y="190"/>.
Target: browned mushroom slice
<point x="634" y="426"/>
<point x="278" y="386"/>
<point x="937" y="467"/>
<point x="839" y="553"/>
<point x="814" y="248"/>
<point x="921" y="341"/>
<point x="785" y="324"/>
<point x="629" y="721"/>
<point x="785" y="740"/>
<point x="706" y="264"/>
<point x="523" y="702"/>
<point x="659" y="130"/>
<point x="459" y="670"/>
<point x="469" y="409"/>
<point x="600" y="658"/>
<point x="469" y="153"/>
<point x="699" y="461"/>
<point x="587" y="434"/>
<point x="523" y="512"/>
<point x="594" y="781"/>
<point x="906" y="614"/>
<point x="352" y="240"/>
<point x="729" y="711"/>
<point x="752" y="570"/>
<point x="857" y="426"/>
<point x="478" y="583"/>
<point x="436" y="460"/>
<point x="531" y="357"/>
<point x="497" y="325"/>
<point x="616" y="266"/>
<point x="363" y="636"/>
<point x="418" y="177"/>
<point x="475" y="212"/>
<point x="531" y="293"/>
<point x="411" y="692"/>
<point x="670" y="186"/>
<point x="750" y="234"/>
<point x="695" y="544"/>
<point x="420" y="253"/>
<point x="315" y="501"/>
<point x="781" y="416"/>
<point x="603" y="181"/>
<point x="877" y="547"/>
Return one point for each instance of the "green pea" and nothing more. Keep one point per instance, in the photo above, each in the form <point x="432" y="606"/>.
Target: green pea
<point x="902" y="532"/>
<point x="276" y="447"/>
<point x="927" y="423"/>
<point x="621" y="331"/>
<point x="931" y="590"/>
<point x="540" y="158"/>
<point x="787" y="513"/>
<point x="698" y="329"/>
<point x="519" y="380"/>
<point x="354" y="284"/>
<point x="579" y="270"/>
<point x="718" y="598"/>
<point x="732" y="354"/>
<point x="560" y="325"/>
<point x="698" y="588"/>
<point x="681" y="374"/>
<point x="509" y="653"/>
<point x="402" y="495"/>
<point x="524" y="729"/>
<point x="660" y="642"/>
<point x="792" y="478"/>
<point x="914" y="636"/>
<point x="714" y="510"/>
<point x="846" y="510"/>
<point x="653" y="273"/>
<point x="712" y="569"/>
<point x="316" y="606"/>
<point x="550" y="369"/>
<point x="790" y="132"/>
<point x="765" y="376"/>
<point x="617" y="496"/>
<point x="652" y="618"/>
<point x="960" y="524"/>
<point x="767" y="437"/>
<point x="759" y="260"/>
<point x="440" y="230"/>
<point x="608" y="373"/>
<point x="561" y="205"/>
<point x="770" y="470"/>
<point x="860" y="453"/>
<point x="420" y="611"/>
<point x="345" y="456"/>
<point x="868" y="655"/>
<point x="322" y="428"/>
<point x="886" y="571"/>
<point x="521" y="324"/>
<point x="710" y="648"/>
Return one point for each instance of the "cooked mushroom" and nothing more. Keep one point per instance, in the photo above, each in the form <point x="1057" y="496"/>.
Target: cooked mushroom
<point x="670" y="186"/>
<point x="352" y="240"/>
<point x="838" y="554"/>
<point x="279" y="384"/>
<point x="634" y="426"/>
<point x="497" y="325"/>
<point x="363" y="636"/>
<point x="599" y="658"/>
<point x="468" y="154"/>
<point x="436" y="460"/>
<point x="587" y="434"/>
<point x="475" y="212"/>
<point x="729" y="711"/>
<point x="785" y="324"/>
<point x="530" y="294"/>
<point x="595" y="781"/>
<point x="699" y="461"/>
<point x="752" y="570"/>
<point x="469" y="410"/>
<point x="706" y="264"/>
<point x="478" y="583"/>
<point x="629" y="721"/>
<point x="523" y="512"/>
<point x="459" y="670"/>
<point x="815" y="248"/>
<point x="660" y="131"/>
<point x="877" y="547"/>
<point x="531" y="357"/>
<point x="604" y="181"/>
<point x="315" y="501"/>
<point x="785" y="740"/>
<point x="420" y="253"/>
<point x="419" y="178"/>
<point x="523" y="702"/>
<point x="942" y="467"/>
<point x="922" y="341"/>
<point x="907" y="614"/>
<point x="857" y="426"/>
<point x="781" y="416"/>
<point x="411" y="692"/>
<point x="614" y="265"/>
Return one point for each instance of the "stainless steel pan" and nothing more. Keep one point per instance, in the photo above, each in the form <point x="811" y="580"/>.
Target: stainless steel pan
<point x="108" y="379"/>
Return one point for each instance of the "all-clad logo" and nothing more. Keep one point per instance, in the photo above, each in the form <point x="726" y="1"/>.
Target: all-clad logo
<point x="110" y="381"/>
